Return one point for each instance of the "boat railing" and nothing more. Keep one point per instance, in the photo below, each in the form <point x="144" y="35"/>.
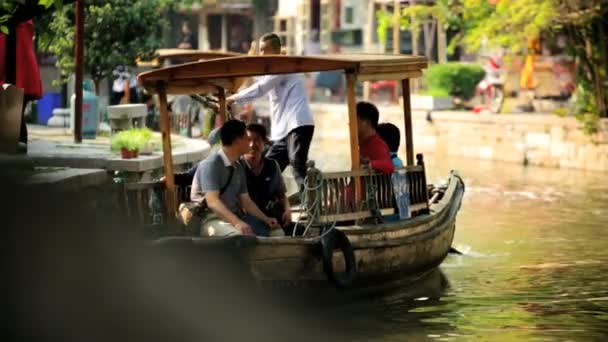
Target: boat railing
<point x="145" y="203"/>
<point x="337" y="201"/>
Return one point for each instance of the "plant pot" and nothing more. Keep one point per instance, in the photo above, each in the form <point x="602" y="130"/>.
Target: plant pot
<point x="128" y="154"/>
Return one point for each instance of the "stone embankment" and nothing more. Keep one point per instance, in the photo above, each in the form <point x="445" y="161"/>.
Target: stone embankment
<point x="532" y="139"/>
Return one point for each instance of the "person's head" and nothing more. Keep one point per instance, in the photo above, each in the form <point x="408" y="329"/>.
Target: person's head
<point x="233" y="135"/>
<point x="258" y="140"/>
<point x="367" y="119"/>
<point x="185" y="27"/>
<point x="390" y="134"/>
<point x="270" y="44"/>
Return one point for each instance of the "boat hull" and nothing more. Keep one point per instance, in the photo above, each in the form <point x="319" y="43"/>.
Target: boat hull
<point x="385" y="252"/>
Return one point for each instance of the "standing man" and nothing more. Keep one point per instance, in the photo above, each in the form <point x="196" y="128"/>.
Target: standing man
<point x="291" y="122"/>
<point x="220" y="181"/>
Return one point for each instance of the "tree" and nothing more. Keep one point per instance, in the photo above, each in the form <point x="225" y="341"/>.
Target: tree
<point x="116" y="32"/>
<point x="15" y="11"/>
<point x="508" y="24"/>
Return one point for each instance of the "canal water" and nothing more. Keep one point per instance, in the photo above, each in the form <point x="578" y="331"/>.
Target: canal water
<point x="534" y="264"/>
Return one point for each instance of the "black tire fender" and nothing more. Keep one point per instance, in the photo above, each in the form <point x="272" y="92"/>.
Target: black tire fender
<point x="333" y="240"/>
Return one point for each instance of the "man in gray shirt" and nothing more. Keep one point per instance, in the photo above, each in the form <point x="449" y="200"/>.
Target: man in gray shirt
<point x="221" y="182"/>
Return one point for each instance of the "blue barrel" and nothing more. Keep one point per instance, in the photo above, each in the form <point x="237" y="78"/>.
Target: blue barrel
<point x="46" y="105"/>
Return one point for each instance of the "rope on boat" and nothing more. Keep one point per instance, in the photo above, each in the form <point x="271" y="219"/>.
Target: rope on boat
<point x="313" y="211"/>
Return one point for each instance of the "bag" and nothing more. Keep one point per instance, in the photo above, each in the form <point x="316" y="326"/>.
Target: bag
<point x="191" y="214"/>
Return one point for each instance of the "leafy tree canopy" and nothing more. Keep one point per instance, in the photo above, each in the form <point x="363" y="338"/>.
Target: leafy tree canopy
<point x="115" y="32"/>
<point x="510" y="23"/>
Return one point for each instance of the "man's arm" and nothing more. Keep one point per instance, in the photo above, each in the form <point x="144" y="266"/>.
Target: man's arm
<point x="215" y="203"/>
<point x="384" y="165"/>
<point x="381" y="160"/>
<point x="256" y="90"/>
<point x="251" y="208"/>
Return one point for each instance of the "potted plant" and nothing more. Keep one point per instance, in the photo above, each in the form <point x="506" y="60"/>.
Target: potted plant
<point x="129" y="142"/>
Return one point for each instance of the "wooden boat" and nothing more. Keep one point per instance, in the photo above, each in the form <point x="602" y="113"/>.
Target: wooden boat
<point x="350" y="241"/>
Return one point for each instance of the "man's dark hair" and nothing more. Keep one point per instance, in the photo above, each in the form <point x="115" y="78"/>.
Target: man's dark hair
<point x="390" y="134"/>
<point x="368" y="112"/>
<point x="274" y="40"/>
<point x="259" y="130"/>
<point x="231" y="130"/>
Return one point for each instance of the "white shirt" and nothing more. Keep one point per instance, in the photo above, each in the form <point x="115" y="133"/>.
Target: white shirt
<point x="289" y="107"/>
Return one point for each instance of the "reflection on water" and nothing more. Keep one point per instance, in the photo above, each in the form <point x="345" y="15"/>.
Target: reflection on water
<point x="534" y="265"/>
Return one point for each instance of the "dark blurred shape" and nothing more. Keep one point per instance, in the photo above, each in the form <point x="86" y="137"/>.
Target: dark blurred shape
<point x="76" y="272"/>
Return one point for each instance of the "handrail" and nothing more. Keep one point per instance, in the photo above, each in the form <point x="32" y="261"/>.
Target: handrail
<point x="367" y="172"/>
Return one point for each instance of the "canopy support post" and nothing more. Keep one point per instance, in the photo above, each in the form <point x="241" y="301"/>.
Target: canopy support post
<point x="222" y="103"/>
<point x="354" y="132"/>
<point x="167" y="153"/>
<point x="407" y="119"/>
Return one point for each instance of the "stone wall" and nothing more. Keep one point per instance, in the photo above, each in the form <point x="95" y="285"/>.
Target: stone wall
<point x="536" y="139"/>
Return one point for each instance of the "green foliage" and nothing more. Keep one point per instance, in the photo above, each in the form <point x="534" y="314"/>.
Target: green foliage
<point x="116" y="32"/>
<point x="510" y="23"/>
<point x="8" y="8"/>
<point x="132" y="139"/>
<point x="454" y="79"/>
<point x="585" y="109"/>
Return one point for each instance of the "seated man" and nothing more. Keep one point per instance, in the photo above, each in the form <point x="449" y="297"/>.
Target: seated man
<point x="220" y="181"/>
<point x="392" y="137"/>
<point x="371" y="147"/>
<point x="264" y="180"/>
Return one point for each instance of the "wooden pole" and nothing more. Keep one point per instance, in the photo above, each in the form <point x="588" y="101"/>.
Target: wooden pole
<point x="79" y="61"/>
<point x="369" y="34"/>
<point x="396" y="39"/>
<point x="167" y="153"/>
<point x="222" y="103"/>
<point x="407" y="118"/>
<point x="355" y="158"/>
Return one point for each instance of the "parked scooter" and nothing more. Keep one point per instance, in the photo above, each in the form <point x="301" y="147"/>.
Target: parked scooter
<point x="491" y="87"/>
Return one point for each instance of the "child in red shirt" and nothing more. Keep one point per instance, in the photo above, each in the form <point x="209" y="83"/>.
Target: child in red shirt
<point x="371" y="146"/>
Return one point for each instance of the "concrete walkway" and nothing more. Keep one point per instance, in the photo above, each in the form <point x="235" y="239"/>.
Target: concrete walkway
<point x="55" y="147"/>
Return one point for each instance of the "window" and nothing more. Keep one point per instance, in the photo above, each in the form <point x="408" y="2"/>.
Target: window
<point x="348" y="15"/>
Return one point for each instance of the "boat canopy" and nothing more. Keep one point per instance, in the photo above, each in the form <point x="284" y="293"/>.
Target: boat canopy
<point x="228" y="73"/>
<point x="216" y="76"/>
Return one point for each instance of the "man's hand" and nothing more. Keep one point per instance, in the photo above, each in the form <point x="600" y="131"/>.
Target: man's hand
<point x="272" y="223"/>
<point x="366" y="163"/>
<point x="244" y="228"/>
<point x="286" y="216"/>
<point x="229" y="101"/>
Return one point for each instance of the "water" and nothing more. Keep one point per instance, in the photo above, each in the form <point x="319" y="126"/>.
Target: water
<point x="534" y="265"/>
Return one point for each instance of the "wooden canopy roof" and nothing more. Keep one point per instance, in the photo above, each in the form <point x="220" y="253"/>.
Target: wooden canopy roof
<point x="229" y="73"/>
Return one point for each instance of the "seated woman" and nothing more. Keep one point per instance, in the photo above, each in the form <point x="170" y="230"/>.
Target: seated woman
<point x="392" y="136"/>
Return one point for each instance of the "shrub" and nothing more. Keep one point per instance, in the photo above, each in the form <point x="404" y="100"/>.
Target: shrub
<point x="455" y="79"/>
